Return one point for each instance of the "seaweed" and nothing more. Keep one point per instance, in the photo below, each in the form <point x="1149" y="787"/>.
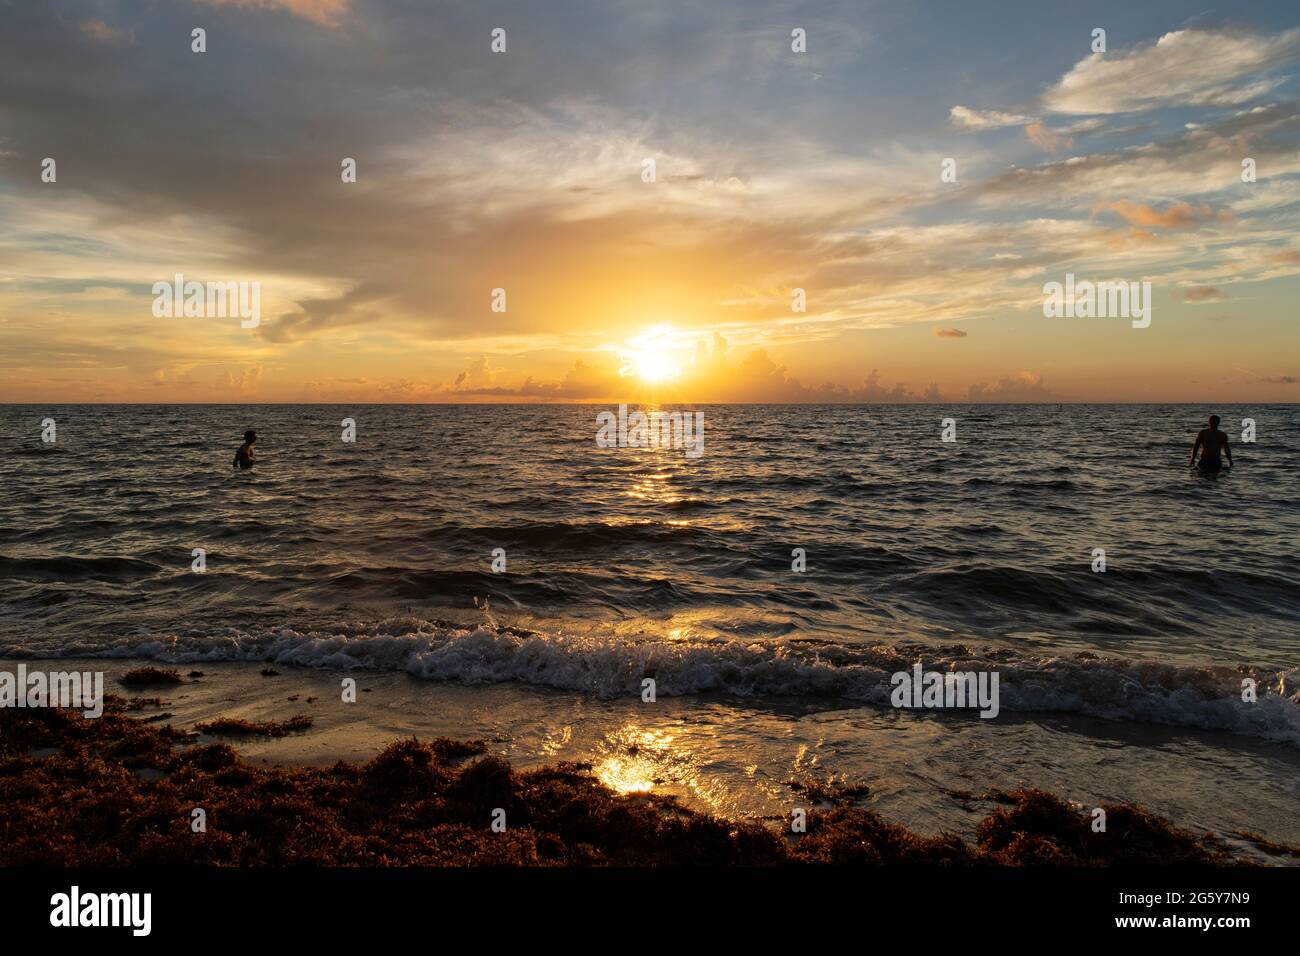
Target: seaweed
<point x="237" y="727"/>
<point x="117" y="791"/>
<point x="150" y="676"/>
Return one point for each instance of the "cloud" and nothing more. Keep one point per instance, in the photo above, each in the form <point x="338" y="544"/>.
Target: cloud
<point x="473" y="178"/>
<point x="242" y="380"/>
<point x="1182" y="68"/>
<point x="1023" y="387"/>
<point x="101" y="32"/>
<point x="1202" y="293"/>
<point x="1088" y="126"/>
<point x="324" y="12"/>
<point x="1282" y="380"/>
<point x="950" y="333"/>
<point x="965" y="118"/>
<point x="319" y="314"/>
<point x="1201" y="162"/>
<point x="1177" y="216"/>
<point x="712" y="375"/>
<point x="479" y="375"/>
<point x="1047" y="140"/>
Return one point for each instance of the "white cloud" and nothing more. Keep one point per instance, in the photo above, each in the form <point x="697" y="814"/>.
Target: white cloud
<point x="1183" y="68"/>
<point x="964" y="117"/>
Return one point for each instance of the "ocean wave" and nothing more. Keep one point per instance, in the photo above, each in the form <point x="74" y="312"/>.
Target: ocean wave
<point x="1207" y="698"/>
<point x="1023" y="484"/>
<point x="1066" y="591"/>
<point x="112" y="569"/>
<point x="577" y="535"/>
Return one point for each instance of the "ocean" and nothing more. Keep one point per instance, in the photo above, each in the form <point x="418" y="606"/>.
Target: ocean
<point x="769" y="587"/>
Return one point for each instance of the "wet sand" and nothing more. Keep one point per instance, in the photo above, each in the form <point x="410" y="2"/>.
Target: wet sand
<point x="154" y="742"/>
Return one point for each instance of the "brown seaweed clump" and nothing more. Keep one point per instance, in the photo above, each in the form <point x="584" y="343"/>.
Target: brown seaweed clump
<point x="828" y="790"/>
<point x="237" y="727"/>
<point x="117" y="791"/>
<point x="150" y="677"/>
<point x="140" y="703"/>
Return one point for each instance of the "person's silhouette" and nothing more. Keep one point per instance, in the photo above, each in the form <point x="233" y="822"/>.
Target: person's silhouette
<point x="244" y="454"/>
<point x="1213" y="446"/>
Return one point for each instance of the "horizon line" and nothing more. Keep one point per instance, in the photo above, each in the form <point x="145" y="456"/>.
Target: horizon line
<point x="639" y="403"/>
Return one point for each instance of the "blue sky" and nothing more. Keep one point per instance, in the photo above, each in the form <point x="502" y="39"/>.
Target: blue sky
<point x="523" y="170"/>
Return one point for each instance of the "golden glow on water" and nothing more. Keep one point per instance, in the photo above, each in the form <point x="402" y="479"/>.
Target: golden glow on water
<point x="654" y="489"/>
<point x="641" y="758"/>
<point x="627" y="774"/>
<point x="557" y="740"/>
<point x="637" y="757"/>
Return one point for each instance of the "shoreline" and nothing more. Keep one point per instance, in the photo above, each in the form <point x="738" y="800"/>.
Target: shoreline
<point x="349" y="777"/>
<point x="119" y="791"/>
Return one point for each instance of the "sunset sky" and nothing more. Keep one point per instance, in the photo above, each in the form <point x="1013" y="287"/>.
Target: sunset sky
<point x="523" y="170"/>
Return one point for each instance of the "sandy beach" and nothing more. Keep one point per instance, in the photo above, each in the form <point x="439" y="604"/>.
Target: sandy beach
<point x="148" y="738"/>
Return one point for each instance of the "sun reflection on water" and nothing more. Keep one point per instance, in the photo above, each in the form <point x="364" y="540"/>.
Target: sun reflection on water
<point x="637" y="759"/>
<point x="626" y="775"/>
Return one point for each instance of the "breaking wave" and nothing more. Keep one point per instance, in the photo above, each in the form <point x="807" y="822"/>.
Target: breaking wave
<point x="1208" y="698"/>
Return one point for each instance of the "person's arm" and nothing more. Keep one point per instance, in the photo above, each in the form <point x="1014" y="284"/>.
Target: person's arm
<point x="1227" y="452"/>
<point x="1195" y="449"/>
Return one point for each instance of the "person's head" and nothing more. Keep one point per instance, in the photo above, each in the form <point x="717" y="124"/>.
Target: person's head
<point x="251" y="436"/>
<point x="1214" y="421"/>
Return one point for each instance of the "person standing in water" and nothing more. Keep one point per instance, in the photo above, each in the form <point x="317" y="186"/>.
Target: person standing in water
<point x="244" y="454"/>
<point x="1213" y="446"/>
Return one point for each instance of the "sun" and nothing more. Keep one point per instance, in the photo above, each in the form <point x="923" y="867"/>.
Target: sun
<point x="651" y="356"/>
<point x="654" y="366"/>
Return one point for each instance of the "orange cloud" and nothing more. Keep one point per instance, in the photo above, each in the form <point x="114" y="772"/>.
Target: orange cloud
<point x="1178" y="216"/>
<point x="324" y="12"/>
<point x="950" y="333"/>
<point x="100" y="32"/>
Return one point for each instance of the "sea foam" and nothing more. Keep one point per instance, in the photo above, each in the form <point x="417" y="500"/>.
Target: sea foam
<point x="1208" y="698"/>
